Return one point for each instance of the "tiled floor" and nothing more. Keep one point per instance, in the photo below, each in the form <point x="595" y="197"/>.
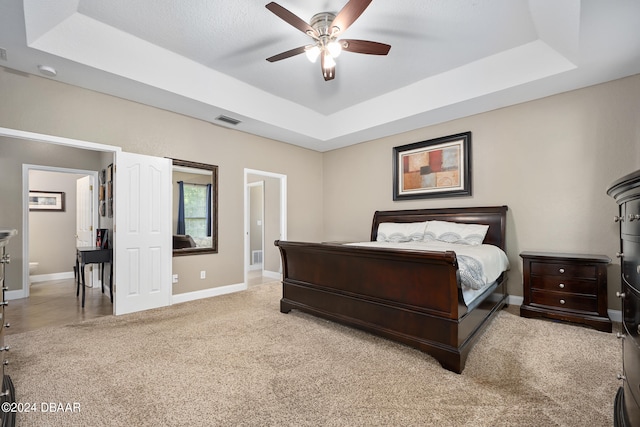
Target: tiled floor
<point x="54" y="303"/>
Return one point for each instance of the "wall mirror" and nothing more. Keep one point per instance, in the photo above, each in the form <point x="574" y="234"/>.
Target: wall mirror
<point x="195" y="208"/>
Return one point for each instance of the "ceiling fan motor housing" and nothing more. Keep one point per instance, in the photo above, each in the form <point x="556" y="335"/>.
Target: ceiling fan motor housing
<point x="321" y="23"/>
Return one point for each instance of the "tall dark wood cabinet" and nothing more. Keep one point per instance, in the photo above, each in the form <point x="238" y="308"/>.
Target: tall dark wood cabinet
<point x="7" y="392"/>
<point x="626" y="192"/>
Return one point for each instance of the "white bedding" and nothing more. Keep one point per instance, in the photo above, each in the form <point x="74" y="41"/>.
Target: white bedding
<point x="479" y="265"/>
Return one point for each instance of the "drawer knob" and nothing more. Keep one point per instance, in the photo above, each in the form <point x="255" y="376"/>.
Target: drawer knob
<point x="5" y="259"/>
<point x="562" y="301"/>
<point x="561" y="270"/>
<point x="561" y="285"/>
<point x="620" y="294"/>
<point x="618" y="218"/>
<point x="633" y="217"/>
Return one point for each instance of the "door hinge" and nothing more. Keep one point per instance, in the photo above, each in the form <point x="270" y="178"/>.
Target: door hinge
<point x="91" y="187"/>
<point x="91" y="228"/>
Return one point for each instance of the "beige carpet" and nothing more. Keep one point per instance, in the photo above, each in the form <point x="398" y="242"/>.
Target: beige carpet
<point x="236" y="360"/>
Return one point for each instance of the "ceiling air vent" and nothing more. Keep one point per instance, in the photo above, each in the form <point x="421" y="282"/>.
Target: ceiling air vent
<point x="227" y="119"/>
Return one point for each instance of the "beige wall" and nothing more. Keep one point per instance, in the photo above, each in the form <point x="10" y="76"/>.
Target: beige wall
<point x="40" y="105"/>
<point x="13" y="154"/>
<point x="550" y="161"/>
<point x="52" y="235"/>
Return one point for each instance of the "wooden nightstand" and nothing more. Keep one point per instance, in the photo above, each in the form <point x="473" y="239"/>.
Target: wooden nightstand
<point x="567" y="287"/>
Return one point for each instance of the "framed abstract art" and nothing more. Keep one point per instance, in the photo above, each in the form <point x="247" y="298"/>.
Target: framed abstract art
<point x="438" y="167"/>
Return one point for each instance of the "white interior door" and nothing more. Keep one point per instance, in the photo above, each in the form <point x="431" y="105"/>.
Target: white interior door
<point x="142" y="232"/>
<point x="85" y="235"/>
<point x="84" y="211"/>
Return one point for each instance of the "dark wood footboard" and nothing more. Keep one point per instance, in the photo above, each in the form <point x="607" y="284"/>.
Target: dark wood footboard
<point x="412" y="297"/>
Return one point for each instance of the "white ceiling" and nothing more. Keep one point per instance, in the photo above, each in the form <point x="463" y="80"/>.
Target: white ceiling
<point x="204" y="58"/>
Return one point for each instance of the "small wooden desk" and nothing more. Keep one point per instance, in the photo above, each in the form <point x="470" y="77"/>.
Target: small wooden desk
<point x="93" y="255"/>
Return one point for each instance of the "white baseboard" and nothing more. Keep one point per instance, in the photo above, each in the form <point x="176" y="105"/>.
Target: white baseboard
<point x="514" y="300"/>
<point x="208" y="293"/>
<point x="17" y="294"/>
<point x="272" y="274"/>
<point x="254" y="267"/>
<point x="53" y="276"/>
<point x="615" y="315"/>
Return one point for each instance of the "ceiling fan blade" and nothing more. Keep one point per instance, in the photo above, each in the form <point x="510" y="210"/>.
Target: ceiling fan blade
<point x="349" y="13"/>
<point x="291" y="19"/>
<point x="364" y="46"/>
<point x="287" y="54"/>
<point x="327" y="73"/>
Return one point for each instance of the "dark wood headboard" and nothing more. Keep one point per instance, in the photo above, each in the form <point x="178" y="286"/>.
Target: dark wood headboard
<point x="493" y="216"/>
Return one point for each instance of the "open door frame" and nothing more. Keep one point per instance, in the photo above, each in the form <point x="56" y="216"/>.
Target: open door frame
<point x="50" y="139"/>
<point x="283" y="211"/>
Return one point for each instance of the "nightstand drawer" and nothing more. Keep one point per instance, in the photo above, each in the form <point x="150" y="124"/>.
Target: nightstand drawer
<point x="565" y="301"/>
<point x="563" y="269"/>
<point x="560" y="284"/>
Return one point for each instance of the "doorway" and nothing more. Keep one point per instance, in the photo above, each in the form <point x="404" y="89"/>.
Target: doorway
<point x="46" y="298"/>
<point x="139" y="175"/>
<point x="256" y="229"/>
<point x="52" y="235"/>
<point x="272" y="217"/>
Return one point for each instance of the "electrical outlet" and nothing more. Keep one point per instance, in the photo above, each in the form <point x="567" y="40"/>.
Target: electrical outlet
<point x="175" y="278"/>
<point x="203" y="274"/>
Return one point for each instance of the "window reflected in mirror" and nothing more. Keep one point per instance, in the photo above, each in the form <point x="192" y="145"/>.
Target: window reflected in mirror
<point x="195" y="208"/>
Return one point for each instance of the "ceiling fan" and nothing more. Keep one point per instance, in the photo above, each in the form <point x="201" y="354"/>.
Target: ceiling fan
<point x="324" y="28"/>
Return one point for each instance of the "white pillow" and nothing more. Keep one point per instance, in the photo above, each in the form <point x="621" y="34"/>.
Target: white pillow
<point x="453" y="232"/>
<point x="401" y="231"/>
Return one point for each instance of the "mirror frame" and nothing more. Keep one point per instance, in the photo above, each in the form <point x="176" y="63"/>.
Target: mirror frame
<point x="214" y="208"/>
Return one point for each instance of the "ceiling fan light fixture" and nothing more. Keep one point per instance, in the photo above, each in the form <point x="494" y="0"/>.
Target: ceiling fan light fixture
<point x="325" y="28"/>
<point x="312" y="52"/>
<point x="329" y="62"/>
<point x="334" y="47"/>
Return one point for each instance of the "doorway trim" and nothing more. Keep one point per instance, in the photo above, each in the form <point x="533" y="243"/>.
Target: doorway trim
<point x="283" y="212"/>
<point x="25" y="218"/>
<point x="49" y="139"/>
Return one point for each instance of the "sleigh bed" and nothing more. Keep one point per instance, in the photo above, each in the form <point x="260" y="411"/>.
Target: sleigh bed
<point x="411" y="296"/>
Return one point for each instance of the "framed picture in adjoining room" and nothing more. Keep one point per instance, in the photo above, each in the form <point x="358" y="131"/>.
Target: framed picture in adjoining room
<point x="46" y="201"/>
<point x="438" y="167"/>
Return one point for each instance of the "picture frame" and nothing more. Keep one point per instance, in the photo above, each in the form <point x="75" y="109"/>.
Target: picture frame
<point x="52" y="201"/>
<point x="439" y="167"/>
